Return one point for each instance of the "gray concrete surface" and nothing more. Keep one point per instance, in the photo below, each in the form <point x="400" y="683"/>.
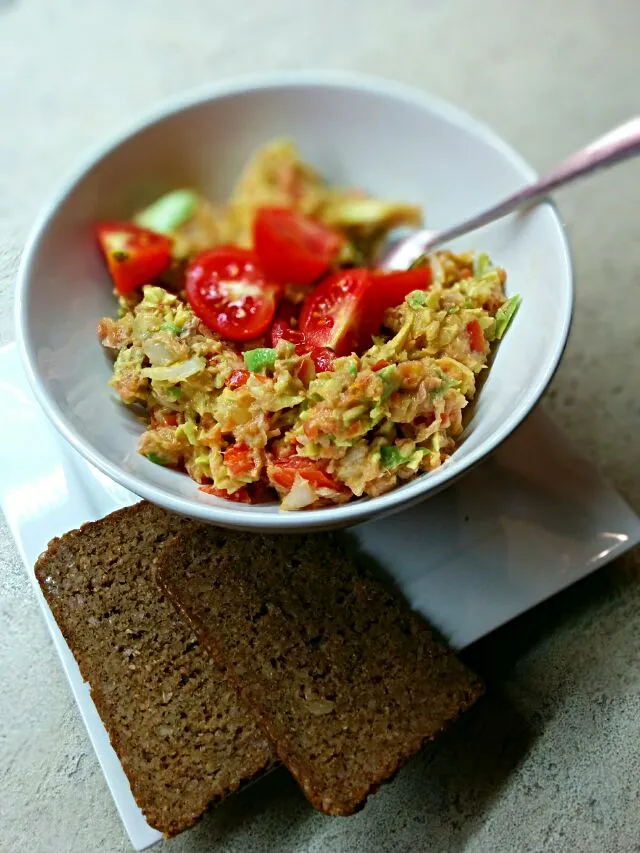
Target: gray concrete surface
<point x="551" y="761"/>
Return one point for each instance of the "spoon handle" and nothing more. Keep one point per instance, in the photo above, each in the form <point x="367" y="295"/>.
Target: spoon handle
<point x="613" y="147"/>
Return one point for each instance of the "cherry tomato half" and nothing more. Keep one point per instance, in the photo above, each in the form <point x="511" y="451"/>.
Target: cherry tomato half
<point x="292" y="248"/>
<point x="386" y="290"/>
<point x="347" y="308"/>
<point x="229" y="292"/>
<point x="135" y="256"/>
<point x="282" y="331"/>
<point x="332" y="312"/>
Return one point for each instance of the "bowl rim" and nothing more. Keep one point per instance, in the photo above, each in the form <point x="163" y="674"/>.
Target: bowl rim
<point x="232" y="515"/>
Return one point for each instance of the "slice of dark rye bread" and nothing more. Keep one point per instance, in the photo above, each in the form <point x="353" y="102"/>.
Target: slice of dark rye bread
<point x="182" y="736"/>
<point x="346" y="680"/>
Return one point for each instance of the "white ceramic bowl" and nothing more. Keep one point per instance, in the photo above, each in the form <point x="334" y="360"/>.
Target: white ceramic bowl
<point x="387" y="138"/>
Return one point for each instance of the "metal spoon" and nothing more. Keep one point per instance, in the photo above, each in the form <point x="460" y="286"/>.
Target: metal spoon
<point x="617" y="145"/>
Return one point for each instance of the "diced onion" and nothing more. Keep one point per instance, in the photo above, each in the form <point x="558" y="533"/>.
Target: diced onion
<point x="160" y="353"/>
<point x="176" y="372"/>
<point x="301" y="495"/>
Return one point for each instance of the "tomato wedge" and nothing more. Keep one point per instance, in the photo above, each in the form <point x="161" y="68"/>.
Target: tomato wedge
<point x="229" y="292"/>
<point x="292" y="248"/>
<point x="134" y="256"/>
<point x="283" y="472"/>
<point x="386" y="290"/>
<point x="282" y="331"/>
<point x="332" y="312"/>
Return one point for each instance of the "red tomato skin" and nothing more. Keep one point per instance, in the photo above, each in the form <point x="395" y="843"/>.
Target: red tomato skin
<point x="332" y="312"/>
<point x="292" y="248"/>
<point x="389" y="289"/>
<point x="283" y="473"/>
<point x="306" y="372"/>
<point x="386" y="290"/>
<point x="238" y="459"/>
<point x="134" y="256"/>
<point x="228" y="290"/>
<point x="347" y="309"/>
<point x="476" y="336"/>
<point x="241" y="495"/>
<point x="237" y="379"/>
<point x="323" y="358"/>
<point x="282" y="331"/>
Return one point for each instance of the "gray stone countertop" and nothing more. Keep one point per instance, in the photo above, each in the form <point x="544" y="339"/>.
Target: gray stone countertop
<point x="551" y="761"/>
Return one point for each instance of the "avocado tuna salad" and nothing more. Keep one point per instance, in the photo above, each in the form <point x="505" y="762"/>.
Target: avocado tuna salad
<point x="270" y="359"/>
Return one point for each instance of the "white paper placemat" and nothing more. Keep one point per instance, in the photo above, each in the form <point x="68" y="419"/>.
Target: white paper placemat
<point x="528" y="522"/>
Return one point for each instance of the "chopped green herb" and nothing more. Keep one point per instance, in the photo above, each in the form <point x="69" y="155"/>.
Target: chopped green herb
<point x="176" y="393"/>
<point x="260" y="359"/>
<point x="417" y="299"/>
<point x="170" y="327"/>
<point x="120" y="256"/>
<point x="352" y="370"/>
<point x="391" y="456"/>
<point x="389" y="376"/>
<point x="169" y="212"/>
<point x="157" y="460"/>
<point x="505" y="314"/>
